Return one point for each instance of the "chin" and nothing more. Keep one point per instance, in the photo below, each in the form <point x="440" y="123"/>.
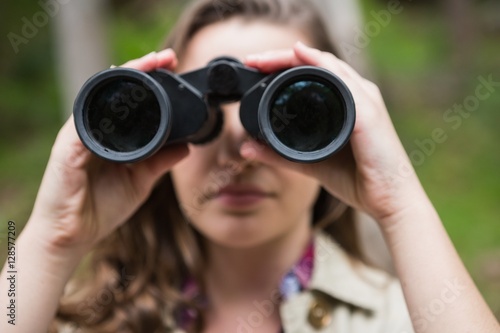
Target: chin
<point x="238" y="231"/>
<point x="238" y="242"/>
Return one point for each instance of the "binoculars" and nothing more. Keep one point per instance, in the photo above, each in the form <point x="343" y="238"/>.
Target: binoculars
<point x="305" y="113"/>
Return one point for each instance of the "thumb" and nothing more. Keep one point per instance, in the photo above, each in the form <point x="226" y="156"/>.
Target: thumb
<point x="144" y="174"/>
<point x="334" y="173"/>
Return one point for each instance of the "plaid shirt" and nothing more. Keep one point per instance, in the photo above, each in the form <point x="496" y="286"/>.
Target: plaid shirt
<point x="293" y="282"/>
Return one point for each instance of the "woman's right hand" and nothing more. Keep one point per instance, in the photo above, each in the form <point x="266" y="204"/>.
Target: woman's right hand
<point x="82" y="198"/>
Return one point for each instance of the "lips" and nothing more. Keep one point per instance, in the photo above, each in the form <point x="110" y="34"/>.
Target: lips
<point x="241" y="195"/>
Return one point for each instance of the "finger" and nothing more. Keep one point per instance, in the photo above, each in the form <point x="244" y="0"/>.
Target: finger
<point x="163" y="59"/>
<point x="273" y="60"/>
<point x="308" y="55"/>
<point x="336" y="173"/>
<point x="68" y="150"/>
<point x="363" y="90"/>
<point x="167" y="59"/>
<point x="145" y="173"/>
<point x="340" y="163"/>
<point x="145" y="63"/>
<point x="329" y="61"/>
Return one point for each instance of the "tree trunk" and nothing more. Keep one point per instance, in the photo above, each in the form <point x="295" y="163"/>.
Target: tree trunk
<point x="342" y="18"/>
<point x="82" y="47"/>
<point x="460" y="16"/>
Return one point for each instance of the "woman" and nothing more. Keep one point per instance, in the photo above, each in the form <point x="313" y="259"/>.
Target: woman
<point x="229" y="237"/>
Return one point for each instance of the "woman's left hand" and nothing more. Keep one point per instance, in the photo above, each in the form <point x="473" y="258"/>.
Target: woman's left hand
<point x="373" y="172"/>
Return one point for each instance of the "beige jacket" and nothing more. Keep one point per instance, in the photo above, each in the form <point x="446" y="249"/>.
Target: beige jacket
<point x="345" y="296"/>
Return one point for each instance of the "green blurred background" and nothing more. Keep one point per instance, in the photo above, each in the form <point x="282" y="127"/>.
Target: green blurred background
<point x="425" y="61"/>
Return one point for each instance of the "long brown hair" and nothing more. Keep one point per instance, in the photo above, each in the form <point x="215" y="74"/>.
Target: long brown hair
<point x="136" y="275"/>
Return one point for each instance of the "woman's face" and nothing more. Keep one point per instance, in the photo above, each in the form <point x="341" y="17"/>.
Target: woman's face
<point x="232" y="201"/>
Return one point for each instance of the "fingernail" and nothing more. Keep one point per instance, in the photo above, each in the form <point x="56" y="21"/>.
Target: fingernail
<point x="112" y="66"/>
<point x="249" y="149"/>
<point x="246" y="147"/>
<point x="252" y="57"/>
<point x="307" y="48"/>
<point x="165" y="53"/>
<point x="150" y="54"/>
<point x="300" y="44"/>
<point x="304" y="46"/>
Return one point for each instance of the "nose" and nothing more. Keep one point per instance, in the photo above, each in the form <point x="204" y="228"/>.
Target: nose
<point x="232" y="136"/>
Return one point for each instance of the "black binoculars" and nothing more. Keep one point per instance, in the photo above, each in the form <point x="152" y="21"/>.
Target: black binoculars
<point x="304" y="113"/>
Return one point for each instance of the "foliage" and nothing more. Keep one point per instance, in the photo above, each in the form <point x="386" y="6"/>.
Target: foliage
<point x="414" y="66"/>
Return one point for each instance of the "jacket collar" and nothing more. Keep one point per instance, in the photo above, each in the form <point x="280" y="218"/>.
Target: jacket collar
<point x="344" y="278"/>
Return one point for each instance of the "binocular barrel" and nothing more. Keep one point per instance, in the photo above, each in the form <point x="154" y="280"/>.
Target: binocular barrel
<point x="305" y="113"/>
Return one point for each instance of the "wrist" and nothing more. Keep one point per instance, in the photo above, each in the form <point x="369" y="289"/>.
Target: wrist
<point x="39" y="237"/>
<point x="405" y="202"/>
<point x="415" y="208"/>
<point x="41" y="273"/>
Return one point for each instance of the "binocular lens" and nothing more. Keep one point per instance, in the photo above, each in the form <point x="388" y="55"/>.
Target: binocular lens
<point x="305" y="113"/>
<point x="122" y="114"/>
<point x="306" y="116"/>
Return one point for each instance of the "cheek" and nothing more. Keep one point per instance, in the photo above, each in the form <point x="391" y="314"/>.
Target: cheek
<point x="191" y="177"/>
<point x="301" y="191"/>
<point x="196" y="164"/>
<point x="187" y="176"/>
<point x="181" y="185"/>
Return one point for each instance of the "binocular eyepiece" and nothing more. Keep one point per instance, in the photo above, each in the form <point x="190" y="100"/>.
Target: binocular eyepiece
<point x="124" y="115"/>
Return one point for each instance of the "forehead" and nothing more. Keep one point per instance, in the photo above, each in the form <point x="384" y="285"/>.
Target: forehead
<point x="236" y="38"/>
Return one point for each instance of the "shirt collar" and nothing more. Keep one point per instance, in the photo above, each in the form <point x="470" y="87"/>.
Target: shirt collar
<point x="327" y="268"/>
<point x="299" y="276"/>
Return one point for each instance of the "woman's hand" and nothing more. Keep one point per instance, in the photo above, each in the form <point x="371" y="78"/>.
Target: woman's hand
<point x="372" y="173"/>
<point x="82" y="198"/>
